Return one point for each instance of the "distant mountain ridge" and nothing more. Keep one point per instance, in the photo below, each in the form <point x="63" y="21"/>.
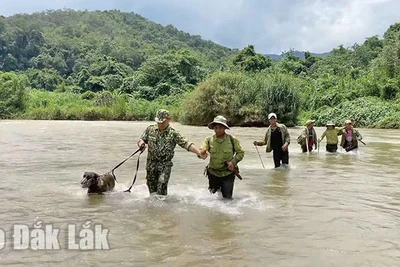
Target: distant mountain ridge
<point x="299" y="54"/>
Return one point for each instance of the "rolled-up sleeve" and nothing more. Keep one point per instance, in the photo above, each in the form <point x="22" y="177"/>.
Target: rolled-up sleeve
<point x="182" y="141"/>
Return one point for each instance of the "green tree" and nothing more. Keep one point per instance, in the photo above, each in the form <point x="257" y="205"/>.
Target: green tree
<point x="248" y="60"/>
<point x="12" y="93"/>
<point x="393" y="33"/>
<point x="280" y="95"/>
<point x="292" y="64"/>
<point x="47" y="79"/>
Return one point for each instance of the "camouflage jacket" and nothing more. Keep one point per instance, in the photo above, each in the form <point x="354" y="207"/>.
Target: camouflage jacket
<point x="161" y="144"/>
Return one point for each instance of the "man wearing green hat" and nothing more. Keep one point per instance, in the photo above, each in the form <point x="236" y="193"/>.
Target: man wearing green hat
<point x="225" y="153"/>
<point x="308" y="137"/>
<point x="161" y="139"/>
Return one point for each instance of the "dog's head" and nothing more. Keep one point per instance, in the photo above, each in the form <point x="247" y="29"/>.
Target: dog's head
<point x="89" y="178"/>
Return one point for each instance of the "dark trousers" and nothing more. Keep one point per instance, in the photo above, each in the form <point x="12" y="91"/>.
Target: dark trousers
<point x="331" y="148"/>
<point x="280" y="155"/>
<point x="348" y="146"/>
<point x="225" y="184"/>
<point x="304" y="148"/>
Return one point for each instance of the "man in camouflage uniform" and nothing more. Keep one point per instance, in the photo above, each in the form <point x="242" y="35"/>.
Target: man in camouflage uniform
<point x="161" y="139"/>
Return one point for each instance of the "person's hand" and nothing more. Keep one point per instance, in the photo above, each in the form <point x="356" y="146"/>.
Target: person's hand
<point x="285" y="147"/>
<point x="142" y="145"/>
<point x="230" y="166"/>
<point x="319" y="140"/>
<point x="256" y="143"/>
<point x="202" y="154"/>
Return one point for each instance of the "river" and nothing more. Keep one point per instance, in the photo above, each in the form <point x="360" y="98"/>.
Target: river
<point x="338" y="209"/>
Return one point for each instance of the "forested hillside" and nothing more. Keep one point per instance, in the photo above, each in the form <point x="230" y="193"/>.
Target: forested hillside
<point x="111" y="65"/>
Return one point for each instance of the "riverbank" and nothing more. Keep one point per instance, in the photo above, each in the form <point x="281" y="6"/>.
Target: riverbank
<point x="108" y="106"/>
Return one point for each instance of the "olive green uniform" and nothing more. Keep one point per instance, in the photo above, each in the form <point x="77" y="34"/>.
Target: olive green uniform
<point x="331" y="138"/>
<point x="222" y="151"/>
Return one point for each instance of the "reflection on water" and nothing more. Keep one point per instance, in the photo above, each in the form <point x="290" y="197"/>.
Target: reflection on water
<point x="278" y="182"/>
<point x="339" y="209"/>
<point x="95" y="200"/>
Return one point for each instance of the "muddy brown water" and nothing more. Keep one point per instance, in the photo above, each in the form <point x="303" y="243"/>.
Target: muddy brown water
<point x="338" y="209"/>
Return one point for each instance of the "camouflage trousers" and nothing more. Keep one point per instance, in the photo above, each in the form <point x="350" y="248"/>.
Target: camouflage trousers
<point x="158" y="177"/>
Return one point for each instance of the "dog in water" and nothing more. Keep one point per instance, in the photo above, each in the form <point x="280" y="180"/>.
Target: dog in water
<point x="98" y="183"/>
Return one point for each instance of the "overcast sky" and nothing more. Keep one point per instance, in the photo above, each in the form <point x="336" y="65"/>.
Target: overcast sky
<point x="273" y="26"/>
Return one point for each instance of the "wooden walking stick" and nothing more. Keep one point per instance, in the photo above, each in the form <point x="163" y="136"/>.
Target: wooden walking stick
<point x="260" y="157"/>
<point x="362" y="142"/>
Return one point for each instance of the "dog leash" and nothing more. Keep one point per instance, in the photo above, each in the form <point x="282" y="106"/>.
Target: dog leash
<point x="134" y="153"/>
<point x="137" y="168"/>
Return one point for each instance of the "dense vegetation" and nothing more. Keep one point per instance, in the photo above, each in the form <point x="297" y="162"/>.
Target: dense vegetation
<point x="111" y="65"/>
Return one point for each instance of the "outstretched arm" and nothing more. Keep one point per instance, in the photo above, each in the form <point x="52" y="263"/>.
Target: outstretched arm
<point x="184" y="143"/>
<point x="262" y="143"/>
<point x="193" y="149"/>
<point x="322" y="137"/>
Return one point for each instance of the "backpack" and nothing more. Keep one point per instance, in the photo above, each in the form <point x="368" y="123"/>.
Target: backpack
<point x="301" y="139"/>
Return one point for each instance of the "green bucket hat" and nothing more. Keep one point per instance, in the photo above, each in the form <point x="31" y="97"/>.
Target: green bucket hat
<point x="329" y="123"/>
<point x="218" y="120"/>
<point x="162" y="115"/>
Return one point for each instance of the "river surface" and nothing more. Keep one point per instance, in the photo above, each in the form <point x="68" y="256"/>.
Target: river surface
<point x="338" y="209"/>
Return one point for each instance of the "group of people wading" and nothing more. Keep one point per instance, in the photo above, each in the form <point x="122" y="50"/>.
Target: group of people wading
<point x="225" y="150"/>
<point x="349" y="141"/>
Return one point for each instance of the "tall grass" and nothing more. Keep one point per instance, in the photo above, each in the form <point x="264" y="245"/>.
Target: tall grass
<point x="44" y="105"/>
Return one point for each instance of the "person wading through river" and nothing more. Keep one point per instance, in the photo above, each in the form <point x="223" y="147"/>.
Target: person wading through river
<point x="225" y="153"/>
<point x="277" y="139"/>
<point x="331" y="134"/>
<point x="308" y="138"/>
<point x="161" y="139"/>
<point x="350" y="137"/>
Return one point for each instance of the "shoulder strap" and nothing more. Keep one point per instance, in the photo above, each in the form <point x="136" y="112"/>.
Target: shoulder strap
<point x="233" y="144"/>
<point x="230" y="137"/>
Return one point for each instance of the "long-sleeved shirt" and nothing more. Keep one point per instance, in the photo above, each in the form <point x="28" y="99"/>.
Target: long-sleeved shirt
<point x="267" y="138"/>
<point x="332" y="136"/>
<point x="355" y="135"/>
